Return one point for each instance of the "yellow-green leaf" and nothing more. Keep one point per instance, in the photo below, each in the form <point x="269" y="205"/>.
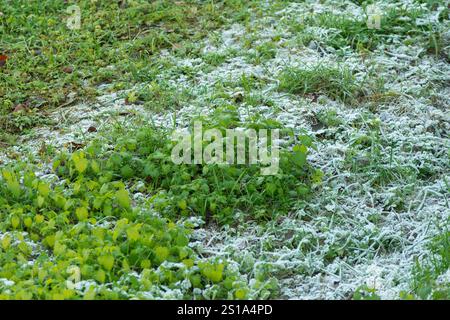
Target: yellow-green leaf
<point x="81" y="213"/>
<point x="107" y="262"/>
<point x="80" y="161"/>
<point x="15" y="221"/>
<point x="161" y="253"/>
<point x="44" y="189"/>
<point x="123" y="198"/>
<point x="6" y="242"/>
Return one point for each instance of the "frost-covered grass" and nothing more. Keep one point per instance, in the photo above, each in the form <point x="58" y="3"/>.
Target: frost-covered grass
<point x="375" y="102"/>
<point x="48" y="65"/>
<point x="337" y="83"/>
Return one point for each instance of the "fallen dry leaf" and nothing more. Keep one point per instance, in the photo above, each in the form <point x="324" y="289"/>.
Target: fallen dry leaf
<point x="3" y="59"/>
<point x="74" y="145"/>
<point x="176" y="46"/>
<point x="20" y="107"/>
<point x="67" y="69"/>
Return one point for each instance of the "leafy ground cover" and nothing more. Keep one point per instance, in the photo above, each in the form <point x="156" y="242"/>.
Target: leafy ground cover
<point x="84" y="218"/>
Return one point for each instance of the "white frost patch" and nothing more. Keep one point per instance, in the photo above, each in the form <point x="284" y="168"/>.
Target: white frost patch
<point x="6" y="282"/>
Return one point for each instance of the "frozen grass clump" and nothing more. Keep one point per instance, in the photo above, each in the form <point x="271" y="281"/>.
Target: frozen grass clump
<point x="336" y="82"/>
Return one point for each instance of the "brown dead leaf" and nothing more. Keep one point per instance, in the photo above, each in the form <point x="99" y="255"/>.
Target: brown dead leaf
<point x="313" y="97"/>
<point x="238" y="96"/>
<point x="43" y="149"/>
<point x="67" y="69"/>
<point x="3" y="144"/>
<point x="20" y="107"/>
<point x="176" y="46"/>
<point x="74" y="145"/>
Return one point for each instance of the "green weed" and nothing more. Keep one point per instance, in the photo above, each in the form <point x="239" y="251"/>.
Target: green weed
<point x="436" y="263"/>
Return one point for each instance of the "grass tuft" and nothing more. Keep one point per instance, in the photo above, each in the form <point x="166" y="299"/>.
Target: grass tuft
<point x="336" y="82"/>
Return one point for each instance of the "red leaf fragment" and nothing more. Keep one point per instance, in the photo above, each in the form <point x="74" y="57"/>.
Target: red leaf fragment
<point x="3" y="59"/>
